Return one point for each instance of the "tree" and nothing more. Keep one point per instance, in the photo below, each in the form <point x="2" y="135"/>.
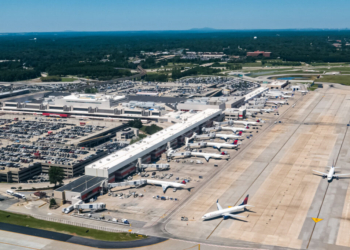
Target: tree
<point x="52" y="202"/>
<point x="56" y="174"/>
<point x="91" y="90"/>
<point x="135" y="123"/>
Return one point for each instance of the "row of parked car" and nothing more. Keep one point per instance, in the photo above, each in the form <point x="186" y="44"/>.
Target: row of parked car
<point x="23" y="153"/>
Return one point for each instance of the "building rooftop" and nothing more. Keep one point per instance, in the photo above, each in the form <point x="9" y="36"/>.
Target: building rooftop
<point x="255" y="93"/>
<point x="82" y="183"/>
<point x="91" y="97"/>
<point x="277" y="83"/>
<point x="136" y="150"/>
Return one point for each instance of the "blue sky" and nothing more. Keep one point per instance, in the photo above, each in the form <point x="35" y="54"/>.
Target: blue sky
<point x="117" y="15"/>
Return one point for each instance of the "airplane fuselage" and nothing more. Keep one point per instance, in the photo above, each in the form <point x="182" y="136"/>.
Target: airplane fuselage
<point x="167" y="183"/>
<point x="207" y="156"/>
<point x="246" y="123"/>
<point x="330" y="174"/>
<point x="220" y="213"/>
<point x="211" y="144"/>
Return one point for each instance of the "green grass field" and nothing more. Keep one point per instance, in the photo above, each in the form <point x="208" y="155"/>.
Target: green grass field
<point x="68" y="79"/>
<point x="253" y="64"/>
<point x="28" y="221"/>
<point x="313" y="87"/>
<point x="306" y="77"/>
<point x="329" y="64"/>
<point x="335" y="79"/>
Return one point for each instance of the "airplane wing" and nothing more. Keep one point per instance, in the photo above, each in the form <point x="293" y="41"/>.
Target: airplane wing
<point x="319" y="172"/>
<point x="218" y="205"/>
<point x="165" y="187"/>
<point x="233" y="216"/>
<point x="341" y="174"/>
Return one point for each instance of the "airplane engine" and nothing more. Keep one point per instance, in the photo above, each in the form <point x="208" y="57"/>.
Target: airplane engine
<point x="324" y="176"/>
<point x="337" y="178"/>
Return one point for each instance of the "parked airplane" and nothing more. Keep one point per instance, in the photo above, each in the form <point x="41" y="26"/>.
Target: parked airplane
<point x="277" y="102"/>
<point x="141" y="182"/>
<point x="277" y="95"/>
<point x="268" y="110"/>
<point x="172" y="153"/>
<point x="217" y="128"/>
<point x="231" y="122"/>
<point x="331" y="174"/>
<point x="260" y="110"/>
<point x="213" y="135"/>
<point x="166" y="184"/>
<point x="211" y="144"/>
<point x="227" y="212"/>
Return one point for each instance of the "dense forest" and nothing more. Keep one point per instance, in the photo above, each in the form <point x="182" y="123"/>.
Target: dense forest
<point x="14" y="71"/>
<point x="99" y="54"/>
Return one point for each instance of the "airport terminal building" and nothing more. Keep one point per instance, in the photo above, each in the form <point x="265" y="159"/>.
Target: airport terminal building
<point x="120" y="164"/>
<point x="84" y="105"/>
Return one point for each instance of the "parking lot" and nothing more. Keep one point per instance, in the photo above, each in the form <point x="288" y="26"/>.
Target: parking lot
<point x="50" y="141"/>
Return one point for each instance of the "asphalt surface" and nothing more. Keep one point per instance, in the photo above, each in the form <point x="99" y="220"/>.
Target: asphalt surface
<point x="79" y="240"/>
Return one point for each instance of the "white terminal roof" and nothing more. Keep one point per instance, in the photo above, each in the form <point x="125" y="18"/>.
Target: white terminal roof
<point x="277" y="83"/>
<point x="255" y="93"/>
<point x="123" y="157"/>
<point x="92" y="97"/>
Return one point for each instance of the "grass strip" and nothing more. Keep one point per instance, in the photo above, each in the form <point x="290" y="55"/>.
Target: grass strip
<point x="29" y="221"/>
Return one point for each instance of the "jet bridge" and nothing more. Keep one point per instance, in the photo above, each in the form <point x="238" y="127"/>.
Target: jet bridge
<point x="154" y="166"/>
<point x="127" y="183"/>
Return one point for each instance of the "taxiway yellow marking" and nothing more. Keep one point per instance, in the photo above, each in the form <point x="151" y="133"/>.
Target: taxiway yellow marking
<point x="316" y="219"/>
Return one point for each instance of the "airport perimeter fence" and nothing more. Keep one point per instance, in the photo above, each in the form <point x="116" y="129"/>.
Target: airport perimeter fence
<point x="78" y="224"/>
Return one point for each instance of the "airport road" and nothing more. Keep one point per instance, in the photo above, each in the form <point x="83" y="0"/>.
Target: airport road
<point x="16" y="241"/>
<point x="276" y="170"/>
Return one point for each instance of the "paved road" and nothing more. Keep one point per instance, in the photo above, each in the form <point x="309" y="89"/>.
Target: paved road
<point x="79" y="240"/>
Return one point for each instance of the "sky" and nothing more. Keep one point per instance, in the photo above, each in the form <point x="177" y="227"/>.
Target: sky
<point x="137" y="15"/>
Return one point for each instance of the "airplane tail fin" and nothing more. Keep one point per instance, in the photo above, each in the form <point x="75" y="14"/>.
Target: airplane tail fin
<point x="235" y="142"/>
<point x="186" y="141"/>
<point x="245" y="201"/>
<point x="240" y="133"/>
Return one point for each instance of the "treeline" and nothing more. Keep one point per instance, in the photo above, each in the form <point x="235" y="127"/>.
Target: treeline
<point x="18" y="75"/>
<point x="280" y="63"/>
<point x="14" y="71"/>
<point x="233" y="66"/>
<point x="156" y="77"/>
<point x="102" y="52"/>
<point x="176" y="73"/>
<point x="100" y="71"/>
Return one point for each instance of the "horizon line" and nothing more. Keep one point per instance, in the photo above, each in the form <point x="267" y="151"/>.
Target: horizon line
<point x="187" y="30"/>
